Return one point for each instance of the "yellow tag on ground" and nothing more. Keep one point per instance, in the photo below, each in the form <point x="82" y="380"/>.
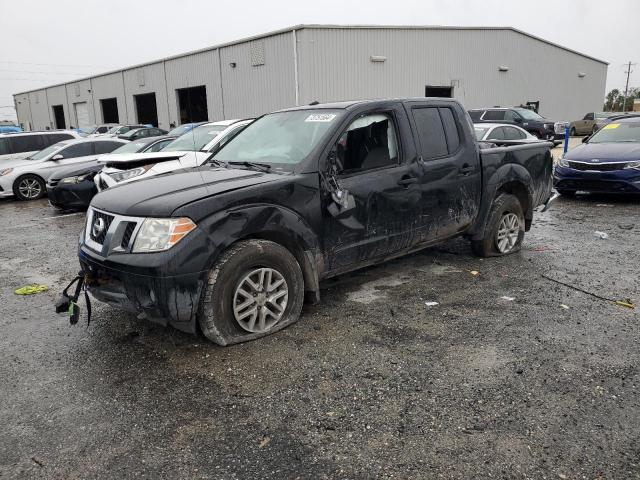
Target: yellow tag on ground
<point x="610" y="126"/>
<point x="31" y="289"/>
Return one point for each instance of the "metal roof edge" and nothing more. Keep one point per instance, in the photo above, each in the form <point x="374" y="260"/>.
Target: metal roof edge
<point x="302" y="27"/>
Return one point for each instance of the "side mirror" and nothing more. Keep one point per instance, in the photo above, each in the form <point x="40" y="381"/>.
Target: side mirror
<point x="57" y="157"/>
<point x="585" y="139"/>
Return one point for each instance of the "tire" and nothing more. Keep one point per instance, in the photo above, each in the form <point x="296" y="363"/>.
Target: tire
<point x="567" y="193"/>
<point x="572" y="132"/>
<point x="29" y="187"/>
<point x="221" y="315"/>
<point x="506" y="215"/>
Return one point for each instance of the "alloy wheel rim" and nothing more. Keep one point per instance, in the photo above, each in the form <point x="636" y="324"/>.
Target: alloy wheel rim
<point x="508" y="232"/>
<point x="260" y="300"/>
<point x="30" y="188"/>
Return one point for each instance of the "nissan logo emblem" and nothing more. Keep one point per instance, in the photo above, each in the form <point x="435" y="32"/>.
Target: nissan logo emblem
<point x="98" y="227"/>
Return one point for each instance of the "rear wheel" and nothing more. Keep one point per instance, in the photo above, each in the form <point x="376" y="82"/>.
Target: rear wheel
<point x="504" y="230"/>
<point x="572" y="132"/>
<point x="29" y="187"/>
<point x="256" y="288"/>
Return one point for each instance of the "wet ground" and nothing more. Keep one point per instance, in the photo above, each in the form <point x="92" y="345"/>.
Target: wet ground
<point x="508" y="375"/>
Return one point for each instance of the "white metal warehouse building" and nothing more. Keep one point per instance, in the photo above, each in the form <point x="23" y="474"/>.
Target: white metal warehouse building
<point x="480" y="67"/>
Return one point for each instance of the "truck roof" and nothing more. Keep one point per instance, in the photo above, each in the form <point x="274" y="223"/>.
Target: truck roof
<point x="351" y="103"/>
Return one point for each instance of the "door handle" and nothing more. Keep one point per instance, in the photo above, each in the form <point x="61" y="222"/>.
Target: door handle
<point x="466" y="169"/>
<point x="406" y="181"/>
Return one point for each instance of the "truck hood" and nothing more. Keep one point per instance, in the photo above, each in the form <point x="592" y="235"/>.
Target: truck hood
<point x="605" y="152"/>
<point x="159" y="196"/>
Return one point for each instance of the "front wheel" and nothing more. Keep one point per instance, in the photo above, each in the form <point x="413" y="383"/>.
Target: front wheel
<point x="29" y="187"/>
<point x="256" y="288"/>
<point x="504" y="231"/>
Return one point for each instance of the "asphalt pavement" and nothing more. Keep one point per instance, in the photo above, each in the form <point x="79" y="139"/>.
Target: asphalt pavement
<point x="437" y="365"/>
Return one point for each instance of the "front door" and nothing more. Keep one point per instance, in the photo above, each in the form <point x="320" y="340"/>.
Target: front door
<point x="373" y="170"/>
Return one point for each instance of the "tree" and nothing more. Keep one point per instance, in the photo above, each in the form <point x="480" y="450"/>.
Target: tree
<point x="615" y="99"/>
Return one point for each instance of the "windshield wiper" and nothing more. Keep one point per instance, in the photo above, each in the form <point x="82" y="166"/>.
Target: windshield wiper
<point x="265" y="167"/>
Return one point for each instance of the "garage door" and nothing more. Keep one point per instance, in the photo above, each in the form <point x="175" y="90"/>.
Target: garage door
<point x="82" y="114"/>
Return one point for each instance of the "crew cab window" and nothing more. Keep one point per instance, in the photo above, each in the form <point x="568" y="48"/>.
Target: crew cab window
<point x="77" y="150"/>
<point x="106" y="147"/>
<point x="511" y="116"/>
<point x="497" y="134"/>
<point x="431" y="132"/>
<point x="369" y="142"/>
<point x="588" y="116"/>
<point x="26" y="143"/>
<point x="450" y="129"/>
<point x="494" y="115"/>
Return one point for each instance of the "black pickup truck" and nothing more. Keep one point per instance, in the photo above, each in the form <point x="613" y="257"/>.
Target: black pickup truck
<point x="236" y="245"/>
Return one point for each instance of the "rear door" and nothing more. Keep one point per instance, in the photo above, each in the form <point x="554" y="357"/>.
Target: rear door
<point x="452" y="174"/>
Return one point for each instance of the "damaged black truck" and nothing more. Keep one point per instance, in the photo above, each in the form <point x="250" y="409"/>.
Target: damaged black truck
<point x="235" y="246"/>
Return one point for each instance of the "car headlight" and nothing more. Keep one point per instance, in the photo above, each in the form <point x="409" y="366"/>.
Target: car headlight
<point x="159" y="234"/>
<point x="77" y="178"/>
<point x="635" y="165"/>
<point x="562" y="162"/>
<point x="127" y="174"/>
<point x="6" y="171"/>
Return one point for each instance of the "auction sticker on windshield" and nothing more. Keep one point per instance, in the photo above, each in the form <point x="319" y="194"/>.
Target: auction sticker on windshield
<point x="611" y="125"/>
<point x="321" y="117"/>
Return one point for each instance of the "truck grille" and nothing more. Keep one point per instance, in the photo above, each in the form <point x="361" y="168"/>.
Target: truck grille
<point x="598" y="167"/>
<point x="99" y="227"/>
<point x="126" y="236"/>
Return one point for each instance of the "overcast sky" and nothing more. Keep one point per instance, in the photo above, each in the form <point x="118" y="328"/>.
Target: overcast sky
<point x="46" y="42"/>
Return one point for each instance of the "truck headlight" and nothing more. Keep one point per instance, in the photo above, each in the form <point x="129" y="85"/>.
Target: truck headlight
<point x="127" y="174"/>
<point x="76" y="179"/>
<point x="159" y="234"/>
<point x="562" y="162"/>
<point x="6" y="171"/>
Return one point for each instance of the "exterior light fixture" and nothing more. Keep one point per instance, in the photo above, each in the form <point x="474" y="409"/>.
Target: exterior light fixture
<point x="503" y="68"/>
<point x="581" y="74"/>
<point x="378" y="58"/>
<point x="232" y="64"/>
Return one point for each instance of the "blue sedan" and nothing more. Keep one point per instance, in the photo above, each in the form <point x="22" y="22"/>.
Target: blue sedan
<point x="606" y="162"/>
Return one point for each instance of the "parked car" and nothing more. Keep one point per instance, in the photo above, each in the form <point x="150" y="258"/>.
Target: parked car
<point x="589" y="124"/>
<point x="26" y="178"/>
<point x="503" y="134"/>
<point x="527" y="119"/>
<point x="16" y="146"/>
<point x="606" y="162"/>
<point x="94" y="130"/>
<point x="73" y="188"/>
<point x="118" y="130"/>
<point x="298" y="196"/>
<point x="184" y="128"/>
<point x="10" y="129"/>
<point x="136" y="133"/>
<point x="188" y="150"/>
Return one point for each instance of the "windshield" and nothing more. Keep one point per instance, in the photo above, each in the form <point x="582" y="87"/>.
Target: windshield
<point x="279" y="138"/>
<point x="480" y="132"/>
<point x="113" y="130"/>
<point x="529" y="114"/>
<point x="195" y="140"/>
<point x="618" y="133"/>
<point x="132" y="147"/>
<point x="47" y="151"/>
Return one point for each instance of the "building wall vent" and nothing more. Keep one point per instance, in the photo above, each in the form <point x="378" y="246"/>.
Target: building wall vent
<point x="140" y="74"/>
<point x="257" y="54"/>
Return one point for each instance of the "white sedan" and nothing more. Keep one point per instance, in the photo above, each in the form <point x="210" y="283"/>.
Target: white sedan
<point x="188" y="150"/>
<point x="27" y="178"/>
<point x="503" y="134"/>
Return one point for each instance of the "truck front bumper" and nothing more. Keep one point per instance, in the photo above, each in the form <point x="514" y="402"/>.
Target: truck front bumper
<point x="163" y="299"/>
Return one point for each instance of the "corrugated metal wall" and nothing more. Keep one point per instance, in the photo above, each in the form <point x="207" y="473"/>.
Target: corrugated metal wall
<point x="258" y="75"/>
<point x="39" y="109"/>
<point x="109" y="86"/>
<point x="335" y="64"/>
<point x="250" y="90"/>
<point x="147" y="79"/>
<point x="193" y="71"/>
